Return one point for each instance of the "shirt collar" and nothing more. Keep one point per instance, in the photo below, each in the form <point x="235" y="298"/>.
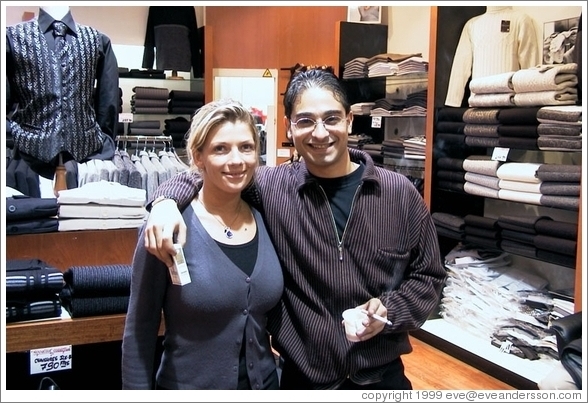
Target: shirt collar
<point x="45" y="21"/>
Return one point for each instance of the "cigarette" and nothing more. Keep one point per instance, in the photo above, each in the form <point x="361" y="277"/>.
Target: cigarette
<point x="377" y="317"/>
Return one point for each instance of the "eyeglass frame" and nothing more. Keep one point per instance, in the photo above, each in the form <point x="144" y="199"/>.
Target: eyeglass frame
<point x="316" y="122"/>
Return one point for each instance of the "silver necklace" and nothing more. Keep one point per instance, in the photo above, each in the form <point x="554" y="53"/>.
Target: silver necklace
<point x="226" y="228"/>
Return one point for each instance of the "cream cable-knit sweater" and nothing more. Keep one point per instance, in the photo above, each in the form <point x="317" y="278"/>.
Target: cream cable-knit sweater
<point x="484" y="50"/>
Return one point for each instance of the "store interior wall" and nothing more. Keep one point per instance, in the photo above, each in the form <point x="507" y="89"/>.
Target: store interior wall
<point x="408" y="26"/>
<point x="125" y="25"/>
<point x="408" y="32"/>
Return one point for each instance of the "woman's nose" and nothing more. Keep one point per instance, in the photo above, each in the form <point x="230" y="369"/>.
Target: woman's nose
<point x="235" y="156"/>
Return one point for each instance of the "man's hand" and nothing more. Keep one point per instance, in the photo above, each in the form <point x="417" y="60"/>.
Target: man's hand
<point x="163" y="222"/>
<point x="372" y="326"/>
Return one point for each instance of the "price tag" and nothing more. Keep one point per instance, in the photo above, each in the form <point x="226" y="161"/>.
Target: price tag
<point x="500" y="154"/>
<point x="125" y="118"/>
<point x="50" y="359"/>
<point x="376" y="121"/>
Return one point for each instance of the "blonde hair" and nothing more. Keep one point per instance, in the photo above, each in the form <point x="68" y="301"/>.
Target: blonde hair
<point x="212" y="115"/>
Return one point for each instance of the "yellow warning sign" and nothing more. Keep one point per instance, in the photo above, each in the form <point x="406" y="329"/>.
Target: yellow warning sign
<point x="267" y="73"/>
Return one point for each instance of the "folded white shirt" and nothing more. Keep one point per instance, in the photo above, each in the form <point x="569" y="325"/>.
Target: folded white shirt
<point x="85" y="224"/>
<point x="103" y="192"/>
<point x="93" y="210"/>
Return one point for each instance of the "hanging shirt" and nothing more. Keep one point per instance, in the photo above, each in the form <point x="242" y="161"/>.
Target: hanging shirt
<point x="179" y="16"/>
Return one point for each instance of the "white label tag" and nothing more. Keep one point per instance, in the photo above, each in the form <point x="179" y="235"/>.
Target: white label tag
<point x="464" y="260"/>
<point x="283" y="152"/>
<point x="376" y="121"/>
<point x="500" y="154"/>
<point x="50" y="359"/>
<point x="125" y="117"/>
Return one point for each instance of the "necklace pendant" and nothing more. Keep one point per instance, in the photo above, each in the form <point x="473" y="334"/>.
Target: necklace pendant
<point x="228" y="233"/>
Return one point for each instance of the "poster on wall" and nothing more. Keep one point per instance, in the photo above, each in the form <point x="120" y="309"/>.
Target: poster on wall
<point x="559" y="39"/>
<point x="364" y="14"/>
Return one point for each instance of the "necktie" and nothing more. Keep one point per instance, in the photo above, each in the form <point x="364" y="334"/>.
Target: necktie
<point x="59" y="30"/>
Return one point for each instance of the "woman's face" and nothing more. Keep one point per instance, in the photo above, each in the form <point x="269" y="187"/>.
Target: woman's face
<point x="323" y="147"/>
<point x="228" y="158"/>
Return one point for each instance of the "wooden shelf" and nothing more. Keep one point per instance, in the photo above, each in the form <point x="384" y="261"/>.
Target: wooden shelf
<point x="63" y="250"/>
<point x="422" y="76"/>
<point x="23" y="336"/>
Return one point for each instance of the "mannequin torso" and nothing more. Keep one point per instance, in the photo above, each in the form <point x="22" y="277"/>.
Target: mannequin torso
<point x="86" y="62"/>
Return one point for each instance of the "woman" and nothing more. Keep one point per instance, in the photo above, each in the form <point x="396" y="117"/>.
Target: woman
<point x="216" y="323"/>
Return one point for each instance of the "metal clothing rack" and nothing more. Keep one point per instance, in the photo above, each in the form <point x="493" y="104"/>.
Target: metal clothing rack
<point x="145" y="139"/>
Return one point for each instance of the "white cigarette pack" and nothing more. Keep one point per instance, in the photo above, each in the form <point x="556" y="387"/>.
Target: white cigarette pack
<point x="179" y="271"/>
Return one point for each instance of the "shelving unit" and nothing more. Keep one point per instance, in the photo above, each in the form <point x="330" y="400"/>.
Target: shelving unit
<point x="368" y="40"/>
<point x="128" y="83"/>
<point x="518" y="372"/>
<point x="62" y="250"/>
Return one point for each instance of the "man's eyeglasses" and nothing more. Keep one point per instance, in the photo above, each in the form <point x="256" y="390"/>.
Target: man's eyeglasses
<point x="307" y="125"/>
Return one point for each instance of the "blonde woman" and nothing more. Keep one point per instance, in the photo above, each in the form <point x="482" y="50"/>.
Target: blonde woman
<point x="215" y="326"/>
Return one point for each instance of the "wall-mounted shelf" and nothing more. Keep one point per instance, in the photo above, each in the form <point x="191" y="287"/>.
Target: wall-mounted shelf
<point x="63" y="250"/>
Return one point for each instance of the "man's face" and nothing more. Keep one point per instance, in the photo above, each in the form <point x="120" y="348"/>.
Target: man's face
<point x="323" y="145"/>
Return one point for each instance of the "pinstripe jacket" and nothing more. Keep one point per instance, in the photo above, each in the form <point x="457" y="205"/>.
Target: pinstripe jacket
<point x="389" y="250"/>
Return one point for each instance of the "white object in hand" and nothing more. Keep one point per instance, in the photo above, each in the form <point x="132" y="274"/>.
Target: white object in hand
<point x="179" y="270"/>
<point x="353" y="319"/>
